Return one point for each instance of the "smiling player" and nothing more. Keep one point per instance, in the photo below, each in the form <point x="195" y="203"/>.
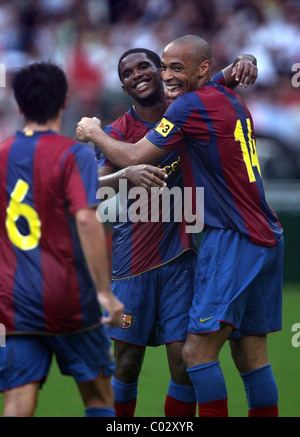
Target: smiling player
<point x="153" y="263"/>
<point x="240" y="263"/>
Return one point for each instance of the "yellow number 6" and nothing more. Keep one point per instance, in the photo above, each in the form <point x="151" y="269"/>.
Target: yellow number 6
<point x="16" y="209"/>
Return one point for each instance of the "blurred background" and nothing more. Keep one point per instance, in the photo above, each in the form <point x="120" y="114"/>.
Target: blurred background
<point x="87" y="38"/>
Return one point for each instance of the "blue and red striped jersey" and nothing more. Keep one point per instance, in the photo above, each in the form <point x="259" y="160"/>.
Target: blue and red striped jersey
<point x="213" y="130"/>
<point x="140" y="246"/>
<point x="45" y="285"/>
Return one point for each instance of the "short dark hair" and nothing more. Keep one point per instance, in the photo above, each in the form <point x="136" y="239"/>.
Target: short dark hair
<point x="149" y="53"/>
<point x="40" y="90"/>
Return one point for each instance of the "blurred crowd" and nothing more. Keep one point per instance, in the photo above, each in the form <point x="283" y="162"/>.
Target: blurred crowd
<point x="87" y="38"/>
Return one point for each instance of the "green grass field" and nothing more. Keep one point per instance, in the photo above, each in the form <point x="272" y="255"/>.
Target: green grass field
<point x="60" y="398"/>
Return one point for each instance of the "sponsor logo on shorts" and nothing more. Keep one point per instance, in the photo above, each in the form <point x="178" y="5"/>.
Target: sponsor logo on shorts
<point x="205" y="320"/>
<point x="128" y="321"/>
<point x="164" y="127"/>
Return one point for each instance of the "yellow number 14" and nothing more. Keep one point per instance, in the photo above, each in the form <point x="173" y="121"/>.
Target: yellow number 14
<point x="250" y="159"/>
<point x="16" y="209"/>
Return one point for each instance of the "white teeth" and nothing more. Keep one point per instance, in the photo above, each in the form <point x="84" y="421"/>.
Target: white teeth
<point x="173" y="90"/>
<point x="140" y="85"/>
<point x="172" y="87"/>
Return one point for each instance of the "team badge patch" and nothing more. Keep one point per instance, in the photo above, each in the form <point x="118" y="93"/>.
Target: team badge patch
<point x="164" y="127"/>
<point x="128" y="321"/>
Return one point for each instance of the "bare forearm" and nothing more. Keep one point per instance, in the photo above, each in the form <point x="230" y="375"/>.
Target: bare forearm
<point x="111" y="180"/>
<point x="120" y="154"/>
<point x="93" y="243"/>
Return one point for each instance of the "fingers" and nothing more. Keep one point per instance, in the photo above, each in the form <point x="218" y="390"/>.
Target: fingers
<point x="147" y="176"/>
<point x="109" y="321"/>
<point x="115" y="314"/>
<point x="245" y="73"/>
<point x="152" y="181"/>
<point x="80" y="136"/>
<point x="113" y="306"/>
<point x="156" y="176"/>
<point x="84" y="128"/>
<point x="80" y="131"/>
<point x="159" y="172"/>
<point x="97" y="120"/>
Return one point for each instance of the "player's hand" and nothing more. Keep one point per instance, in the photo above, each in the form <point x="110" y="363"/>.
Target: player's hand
<point x="113" y="306"/>
<point x="245" y="72"/>
<point x="86" y="128"/>
<point x="146" y="175"/>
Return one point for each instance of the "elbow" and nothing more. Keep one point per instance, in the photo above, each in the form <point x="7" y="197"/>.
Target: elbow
<point x="127" y="161"/>
<point x="133" y="161"/>
<point x="86" y="219"/>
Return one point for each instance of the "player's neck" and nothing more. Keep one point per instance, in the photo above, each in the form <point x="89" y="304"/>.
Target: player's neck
<point x="204" y="80"/>
<point x="151" y="114"/>
<point x="54" y="125"/>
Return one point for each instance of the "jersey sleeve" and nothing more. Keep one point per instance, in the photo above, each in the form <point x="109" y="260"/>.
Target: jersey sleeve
<point x="79" y="173"/>
<point x="167" y="134"/>
<point x="219" y="77"/>
<point x="101" y="159"/>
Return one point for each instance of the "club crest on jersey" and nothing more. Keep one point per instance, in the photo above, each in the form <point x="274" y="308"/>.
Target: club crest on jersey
<point x="128" y="321"/>
<point x="164" y="127"/>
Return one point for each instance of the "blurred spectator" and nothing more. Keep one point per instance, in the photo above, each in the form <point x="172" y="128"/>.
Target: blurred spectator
<point x="87" y="39"/>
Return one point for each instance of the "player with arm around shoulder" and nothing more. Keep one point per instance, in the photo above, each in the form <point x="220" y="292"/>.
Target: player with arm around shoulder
<point x="152" y="261"/>
<point x="237" y="287"/>
<point x="170" y="278"/>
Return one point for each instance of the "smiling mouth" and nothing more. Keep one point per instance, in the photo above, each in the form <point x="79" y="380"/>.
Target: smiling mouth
<point x="142" y="85"/>
<point x="174" y="90"/>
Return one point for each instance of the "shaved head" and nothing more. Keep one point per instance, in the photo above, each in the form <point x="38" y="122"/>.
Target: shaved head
<point x="186" y="65"/>
<point x="197" y="47"/>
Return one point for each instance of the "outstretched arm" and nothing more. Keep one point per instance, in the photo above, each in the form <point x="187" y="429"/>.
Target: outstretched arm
<point x="242" y="72"/>
<point x="121" y="154"/>
<point x="91" y="234"/>
<point x="143" y="175"/>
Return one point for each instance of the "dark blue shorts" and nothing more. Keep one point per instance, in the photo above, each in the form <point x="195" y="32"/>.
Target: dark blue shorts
<point x="157" y="303"/>
<point x="239" y="283"/>
<point x="27" y="358"/>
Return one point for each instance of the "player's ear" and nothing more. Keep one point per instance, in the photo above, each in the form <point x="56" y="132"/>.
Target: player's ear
<point x="65" y="102"/>
<point x="125" y="90"/>
<point x="203" y="68"/>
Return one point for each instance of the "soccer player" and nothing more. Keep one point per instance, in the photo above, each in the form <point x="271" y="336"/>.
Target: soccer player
<point x="152" y="262"/>
<point x="54" y="269"/>
<point x="238" y="281"/>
